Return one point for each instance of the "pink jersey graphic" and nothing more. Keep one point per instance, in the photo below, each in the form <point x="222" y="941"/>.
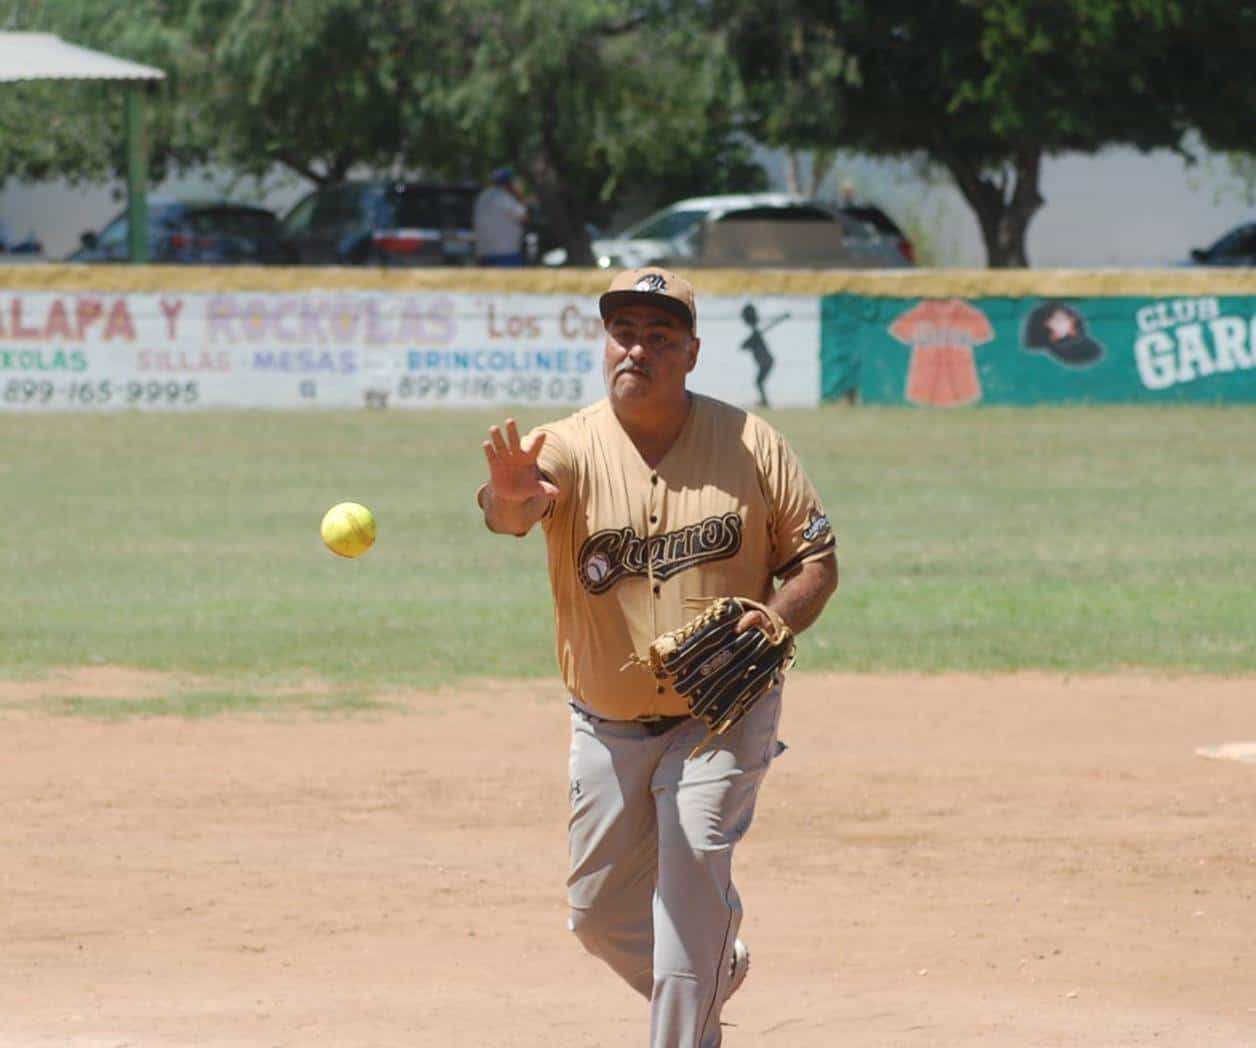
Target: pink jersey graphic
<point x="942" y="334"/>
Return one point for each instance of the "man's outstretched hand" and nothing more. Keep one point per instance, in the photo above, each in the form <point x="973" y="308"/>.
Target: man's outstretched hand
<point x="513" y="475"/>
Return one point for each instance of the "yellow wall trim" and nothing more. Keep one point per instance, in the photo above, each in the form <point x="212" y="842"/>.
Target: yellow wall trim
<point x="903" y="283"/>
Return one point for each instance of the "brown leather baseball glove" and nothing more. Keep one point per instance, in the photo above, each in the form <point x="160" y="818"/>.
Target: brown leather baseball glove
<point x="721" y="673"/>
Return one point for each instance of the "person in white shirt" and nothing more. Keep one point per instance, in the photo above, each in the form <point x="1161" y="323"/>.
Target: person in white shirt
<point x="499" y="220"/>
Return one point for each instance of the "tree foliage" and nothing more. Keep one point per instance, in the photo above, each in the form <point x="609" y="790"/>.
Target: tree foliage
<point x="592" y="100"/>
<point x="322" y="86"/>
<point x="598" y="100"/>
<point x="986" y="88"/>
<point x="75" y="129"/>
<point x="641" y="101"/>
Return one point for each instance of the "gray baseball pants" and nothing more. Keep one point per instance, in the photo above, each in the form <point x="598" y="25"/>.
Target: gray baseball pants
<point x="651" y="841"/>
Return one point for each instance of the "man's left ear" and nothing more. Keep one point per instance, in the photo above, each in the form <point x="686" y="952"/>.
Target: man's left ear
<point x="695" y="344"/>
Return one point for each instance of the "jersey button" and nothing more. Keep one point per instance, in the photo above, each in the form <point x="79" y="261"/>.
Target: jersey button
<point x="657" y="589"/>
<point x="654" y="518"/>
<point x="661" y="689"/>
<point x="654" y="478"/>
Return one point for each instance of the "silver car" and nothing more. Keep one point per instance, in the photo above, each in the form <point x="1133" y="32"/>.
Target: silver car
<point x="753" y="230"/>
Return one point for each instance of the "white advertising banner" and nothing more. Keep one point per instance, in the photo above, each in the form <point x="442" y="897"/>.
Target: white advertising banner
<point x="68" y="351"/>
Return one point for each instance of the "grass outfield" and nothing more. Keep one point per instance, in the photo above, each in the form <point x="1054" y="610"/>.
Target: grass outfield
<point x="1078" y="539"/>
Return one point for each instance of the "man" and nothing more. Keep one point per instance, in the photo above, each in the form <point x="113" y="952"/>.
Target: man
<point x="499" y="218"/>
<point x="650" y="497"/>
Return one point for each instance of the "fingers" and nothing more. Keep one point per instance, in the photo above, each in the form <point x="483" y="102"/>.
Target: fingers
<point x="507" y="443"/>
<point x="534" y="449"/>
<point x="752" y="618"/>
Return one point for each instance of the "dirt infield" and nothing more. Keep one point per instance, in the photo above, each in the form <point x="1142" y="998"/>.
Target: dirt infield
<point x="942" y="861"/>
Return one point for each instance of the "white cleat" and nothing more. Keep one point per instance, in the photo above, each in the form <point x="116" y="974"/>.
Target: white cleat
<point x="738" y="967"/>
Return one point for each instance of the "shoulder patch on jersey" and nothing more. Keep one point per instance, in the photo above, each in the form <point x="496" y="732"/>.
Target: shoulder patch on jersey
<point x="817" y="525"/>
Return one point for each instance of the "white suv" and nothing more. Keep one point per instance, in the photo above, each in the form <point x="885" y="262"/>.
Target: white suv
<point x="753" y="230"/>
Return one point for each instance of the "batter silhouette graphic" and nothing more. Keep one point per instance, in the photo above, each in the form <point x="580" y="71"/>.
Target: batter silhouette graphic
<point x="758" y="347"/>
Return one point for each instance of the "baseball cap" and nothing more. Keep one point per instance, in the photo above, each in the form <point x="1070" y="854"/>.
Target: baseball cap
<point x="651" y="286"/>
<point x="1060" y="330"/>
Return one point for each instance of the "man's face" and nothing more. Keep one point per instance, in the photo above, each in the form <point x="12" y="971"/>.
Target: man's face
<point x="649" y="351"/>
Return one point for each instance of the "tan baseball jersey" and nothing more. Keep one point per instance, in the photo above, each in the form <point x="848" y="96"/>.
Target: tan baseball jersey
<point x="728" y="509"/>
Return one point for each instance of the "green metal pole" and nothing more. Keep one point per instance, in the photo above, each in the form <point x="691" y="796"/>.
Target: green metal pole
<point x="136" y="173"/>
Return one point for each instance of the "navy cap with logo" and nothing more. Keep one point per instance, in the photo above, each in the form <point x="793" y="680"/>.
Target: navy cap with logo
<point x="651" y="286"/>
<point x="1060" y="330"/>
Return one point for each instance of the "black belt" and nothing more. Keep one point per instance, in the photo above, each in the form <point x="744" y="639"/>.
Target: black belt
<point x="653" y="725"/>
<point x="661" y="725"/>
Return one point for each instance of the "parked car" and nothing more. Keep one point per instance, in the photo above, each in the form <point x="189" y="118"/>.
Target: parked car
<point x="754" y="229"/>
<point x="884" y="225"/>
<point x="15" y="251"/>
<point x="384" y="223"/>
<point x="208" y="232"/>
<point x="1236" y="248"/>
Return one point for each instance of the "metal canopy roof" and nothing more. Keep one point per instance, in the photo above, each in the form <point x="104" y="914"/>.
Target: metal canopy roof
<point x="43" y="56"/>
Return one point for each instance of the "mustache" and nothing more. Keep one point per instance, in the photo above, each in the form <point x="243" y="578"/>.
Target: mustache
<point x="627" y="365"/>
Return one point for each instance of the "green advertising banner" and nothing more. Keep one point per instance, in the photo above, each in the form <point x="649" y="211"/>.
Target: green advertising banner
<point x="950" y="352"/>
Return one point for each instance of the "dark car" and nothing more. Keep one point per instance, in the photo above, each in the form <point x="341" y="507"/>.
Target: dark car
<point x="1236" y="248"/>
<point x="205" y="232"/>
<point x="384" y="224"/>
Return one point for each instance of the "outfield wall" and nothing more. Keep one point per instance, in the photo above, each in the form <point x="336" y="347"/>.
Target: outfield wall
<point x="950" y="352"/>
<point x="172" y="338"/>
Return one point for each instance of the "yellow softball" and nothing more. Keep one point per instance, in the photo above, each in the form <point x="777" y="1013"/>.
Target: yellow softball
<point x="348" y="529"/>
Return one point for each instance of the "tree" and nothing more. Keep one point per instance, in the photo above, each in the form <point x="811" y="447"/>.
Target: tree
<point x="1213" y="81"/>
<point x="74" y="130"/>
<point x="319" y="87"/>
<point x="598" y="100"/>
<point x="595" y="100"/>
<point x="46" y="134"/>
<point x="324" y="86"/>
<point x="987" y="88"/>
<point x="590" y="99"/>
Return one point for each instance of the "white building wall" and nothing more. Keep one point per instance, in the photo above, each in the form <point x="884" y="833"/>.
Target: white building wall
<point x="1116" y="208"/>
